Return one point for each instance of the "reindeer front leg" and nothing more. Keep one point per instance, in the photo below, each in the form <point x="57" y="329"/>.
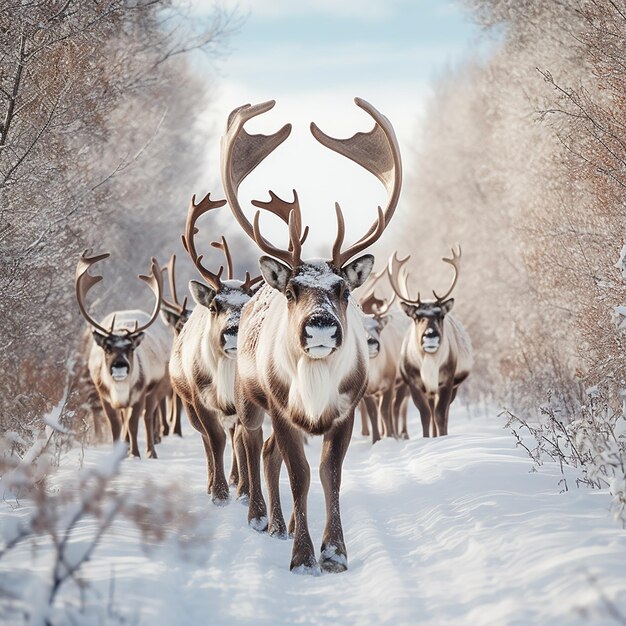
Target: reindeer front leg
<point x="272" y="462"/>
<point x="113" y="417"/>
<point x="149" y="418"/>
<point x="133" y="425"/>
<point x="251" y="417"/>
<point x="334" y="557"/>
<point x="217" y="443"/>
<point x="385" y="408"/>
<point x="233" y="479"/>
<point x="291" y="445"/>
<point x="442" y="408"/>
<point x="239" y="451"/>
<point x="372" y="411"/>
<point x="423" y="406"/>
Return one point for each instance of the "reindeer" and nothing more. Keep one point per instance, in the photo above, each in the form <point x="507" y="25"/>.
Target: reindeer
<point x="203" y="360"/>
<point x="128" y="358"/>
<point x="175" y="314"/>
<point x="303" y="354"/>
<point x="436" y="354"/>
<point x="378" y="401"/>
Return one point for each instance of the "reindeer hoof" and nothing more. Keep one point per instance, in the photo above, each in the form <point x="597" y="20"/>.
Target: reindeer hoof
<point x="220" y="501"/>
<point x="151" y="454"/>
<point x="278" y="530"/>
<point x="258" y="523"/>
<point x="333" y="561"/>
<point x="243" y="498"/>
<point x="309" y="568"/>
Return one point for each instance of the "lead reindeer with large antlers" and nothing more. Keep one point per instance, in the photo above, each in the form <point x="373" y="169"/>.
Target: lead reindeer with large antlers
<point x="128" y="358"/>
<point x="303" y="354"/>
<point x="203" y="360"/>
<point x="436" y="354"/>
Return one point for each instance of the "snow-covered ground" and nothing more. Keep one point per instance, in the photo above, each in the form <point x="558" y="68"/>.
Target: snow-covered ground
<point x="456" y="530"/>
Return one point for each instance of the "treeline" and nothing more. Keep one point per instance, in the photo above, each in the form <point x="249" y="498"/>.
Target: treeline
<point x="99" y="147"/>
<point x="522" y="159"/>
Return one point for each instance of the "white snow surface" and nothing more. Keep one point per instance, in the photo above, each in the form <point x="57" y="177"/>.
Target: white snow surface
<point x="455" y="530"/>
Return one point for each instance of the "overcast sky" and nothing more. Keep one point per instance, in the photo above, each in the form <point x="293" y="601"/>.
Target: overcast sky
<point x="313" y="58"/>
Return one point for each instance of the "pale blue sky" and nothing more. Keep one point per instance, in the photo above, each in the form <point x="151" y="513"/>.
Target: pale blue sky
<point x="313" y="57"/>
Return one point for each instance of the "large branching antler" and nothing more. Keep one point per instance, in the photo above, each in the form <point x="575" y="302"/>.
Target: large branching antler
<point x="84" y="281"/>
<point x="242" y="153"/>
<point x="455" y="261"/>
<point x="378" y="152"/>
<point x="194" y="212"/>
<point x="398" y="279"/>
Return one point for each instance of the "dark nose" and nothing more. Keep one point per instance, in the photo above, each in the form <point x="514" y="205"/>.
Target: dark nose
<point x="322" y="321"/>
<point x="229" y="337"/>
<point x="119" y="363"/>
<point x="431" y="333"/>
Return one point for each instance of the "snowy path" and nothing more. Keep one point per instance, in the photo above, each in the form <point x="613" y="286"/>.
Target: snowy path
<point x="445" y="531"/>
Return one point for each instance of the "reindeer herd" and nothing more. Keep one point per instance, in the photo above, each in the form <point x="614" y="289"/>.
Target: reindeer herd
<point x="296" y="344"/>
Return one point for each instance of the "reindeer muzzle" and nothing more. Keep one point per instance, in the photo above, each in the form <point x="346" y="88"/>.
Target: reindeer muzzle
<point x="431" y="340"/>
<point x="321" y="336"/>
<point x="229" y="342"/>
<point x="119" y="370"/>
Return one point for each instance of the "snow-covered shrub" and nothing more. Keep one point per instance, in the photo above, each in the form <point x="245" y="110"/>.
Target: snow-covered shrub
<point x="594" y="443"/>
<point x="66" y="518"/>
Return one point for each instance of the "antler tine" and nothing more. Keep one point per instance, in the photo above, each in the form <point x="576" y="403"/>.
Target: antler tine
<point x="242" y="153"/>
<point x="291" y="256"/>
<point x="395" y="266"/>
<point x="378" y="152"/>
<point x="370" y="303"/>
<point x="250" y="282"/>
<point x="340" y="258"/>
<point x="223" y="246"/>
<point x="84" y="281"/>
<point x="283" y="209"/>
<point x="455" y="261"/>
<point x="387" y="305"/>
<point x="155" y="282"/>
<point x="172" y="305"/>
<point x="194" y="212"/>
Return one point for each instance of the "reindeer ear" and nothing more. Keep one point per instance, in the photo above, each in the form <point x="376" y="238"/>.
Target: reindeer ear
<point x="99" y="338"/>
<point x="409" y="309"/>
<point x="275" y="274"/>
<point x="136" y="339"/>
<point x="446" y="306"/>
<point x="201" y="293"/>
<point x="356" y="272"/>
<point x="169" y="317"/>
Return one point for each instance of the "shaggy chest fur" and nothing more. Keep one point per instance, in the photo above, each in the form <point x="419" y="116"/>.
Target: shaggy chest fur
<point x="449" y="365"/>
<point x="149" y="362"/>
<point x="200" y="372"/>
<point x="311" y="393"/>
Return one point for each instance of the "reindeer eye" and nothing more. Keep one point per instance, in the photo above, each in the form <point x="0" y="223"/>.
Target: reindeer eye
<point x="212" y="309"/>
<point x="289" y="294"/>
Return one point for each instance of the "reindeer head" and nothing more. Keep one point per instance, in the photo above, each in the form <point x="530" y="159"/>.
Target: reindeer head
<point x="376" y="313"/>
<point x="117" y="342"/>
<point x="224" y="299"/>
<point x="428" y="316"/>
<point x="317" y="292"/>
